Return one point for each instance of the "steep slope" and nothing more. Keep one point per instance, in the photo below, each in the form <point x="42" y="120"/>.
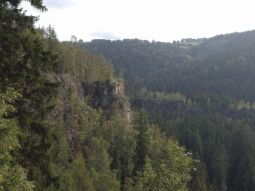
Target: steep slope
<point x="66" y="124"/>
<point x="220" y="65"/>
<point x="97" y="144"/>
<point x="200" y="92"/>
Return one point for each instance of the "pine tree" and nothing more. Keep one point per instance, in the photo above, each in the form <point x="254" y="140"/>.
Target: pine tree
<point x="12" y="176"/>
<point x="143" y="140"/>
<point x="25" y="60"/>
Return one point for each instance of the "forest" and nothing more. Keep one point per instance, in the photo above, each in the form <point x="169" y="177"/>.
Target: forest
<point x="123" y="115"/>
<point x="201" y="93"/>
<point x="65" y="122"/>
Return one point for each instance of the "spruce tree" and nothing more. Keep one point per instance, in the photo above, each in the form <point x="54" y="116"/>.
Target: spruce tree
<point x="26" y="61"/>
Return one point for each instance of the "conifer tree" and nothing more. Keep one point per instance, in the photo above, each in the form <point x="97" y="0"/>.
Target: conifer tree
<point x="25" y="60"/>
<point x="12" y="175"/>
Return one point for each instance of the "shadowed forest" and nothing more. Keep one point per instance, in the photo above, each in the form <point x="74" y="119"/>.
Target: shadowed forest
<point x="124" y="115"/>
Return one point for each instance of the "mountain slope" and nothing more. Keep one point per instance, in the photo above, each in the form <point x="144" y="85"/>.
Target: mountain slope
<point x="201" y="93"/>
<point x="220" y="65"/>
<point x="65" y="122"/>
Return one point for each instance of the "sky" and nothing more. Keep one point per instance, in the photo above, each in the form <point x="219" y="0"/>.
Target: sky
<point x="159" y="20"/>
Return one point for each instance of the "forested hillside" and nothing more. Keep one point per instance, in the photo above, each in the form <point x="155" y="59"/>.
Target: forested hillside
<point x="66" y="123"/>
<point x="125" y="115"/>
<point x="220" y="65"/>
<point x="201" y="93"/>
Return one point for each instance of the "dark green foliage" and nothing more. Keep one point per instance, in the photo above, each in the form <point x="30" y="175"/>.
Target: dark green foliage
<point x="26" y="64"/>
<point x="107" y="141"/>
<point x="212" y="116"/>
<point x="216" y="141"/>
<point x="220" y="65"/>
<point x="71" y="128"/>
<point x="143" y="140"/>
<point x="12" y="176"/>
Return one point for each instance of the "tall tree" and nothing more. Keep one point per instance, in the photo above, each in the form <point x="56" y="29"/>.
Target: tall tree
<point x="25" y="63"/>
<point x="143" y="140"/>
<point x="12" y="175"/>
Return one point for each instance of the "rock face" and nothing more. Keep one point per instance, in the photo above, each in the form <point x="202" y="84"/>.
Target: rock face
<point x="119" y="88"/>
<point x="109" y="96"/>
<point x="128" y="111"/>
<point x="76" y="102"/>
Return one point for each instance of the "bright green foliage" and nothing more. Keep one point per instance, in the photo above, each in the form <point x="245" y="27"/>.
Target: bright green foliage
<point x="81" y="128"/>
<point x="159" y="96"/>
<point x="122" y="145"/>
<point x="146" y="179"/>
<point x="12" y="176"/>
<point x="83" y="65"/>
<point x="111" y="148"/>
<point x="212" y="116"/>
<point x="160" y="163"/>
<point x="99" y="164"/>
<point x="167" y="167"/>
<point x="70" y="130"/>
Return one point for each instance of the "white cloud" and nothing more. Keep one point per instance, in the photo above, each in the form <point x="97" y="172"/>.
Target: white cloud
<point x="163" y="20"/>
<point x="58" y="4"/>
<point x="104" y="35"/>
